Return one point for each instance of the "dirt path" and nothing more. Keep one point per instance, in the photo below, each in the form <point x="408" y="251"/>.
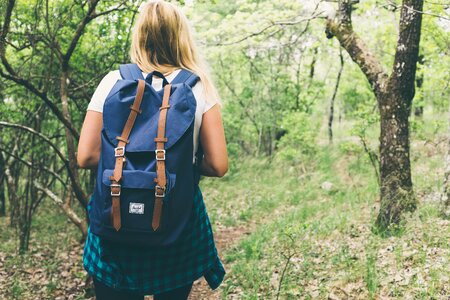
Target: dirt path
<point x="225" y="238"/>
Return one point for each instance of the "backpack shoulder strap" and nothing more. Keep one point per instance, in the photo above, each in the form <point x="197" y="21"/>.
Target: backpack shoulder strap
<point x="119" y="153"/>
<point x="161" y="139"/>
<point x="130" y="72"/>
<point x="186" y="76"/>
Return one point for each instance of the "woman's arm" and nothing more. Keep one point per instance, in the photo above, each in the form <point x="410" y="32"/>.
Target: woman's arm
<point x="89" y="145"/>
<point x="212" y="139"/>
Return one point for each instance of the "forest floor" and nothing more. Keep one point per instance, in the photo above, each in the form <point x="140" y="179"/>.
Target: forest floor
<point x="300" y="229"/>
<point x="225" y="238"/>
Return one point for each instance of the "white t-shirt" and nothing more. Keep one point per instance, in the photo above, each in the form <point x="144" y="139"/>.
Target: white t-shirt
<point x="107" y="83"/>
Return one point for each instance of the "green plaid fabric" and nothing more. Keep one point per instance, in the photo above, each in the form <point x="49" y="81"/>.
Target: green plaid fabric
<point x="153" y="270"/>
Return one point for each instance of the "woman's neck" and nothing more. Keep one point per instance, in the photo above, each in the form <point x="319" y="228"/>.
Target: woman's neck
<point x="166" y="70"/>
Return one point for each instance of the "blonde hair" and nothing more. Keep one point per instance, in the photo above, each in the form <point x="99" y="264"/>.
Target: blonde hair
<point x="162" y="41"/>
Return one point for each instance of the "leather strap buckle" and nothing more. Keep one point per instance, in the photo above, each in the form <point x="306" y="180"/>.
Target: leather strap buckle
<point x="160" y="188"/>
<point x="117" y="152"/>
<point x="160" y="151"/>
<point x="113" y="185"/>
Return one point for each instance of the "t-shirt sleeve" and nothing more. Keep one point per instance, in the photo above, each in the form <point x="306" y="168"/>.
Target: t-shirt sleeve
<point x="209" y="105"/>
<point x="200" y="95"/>
<point x="102" y="91"/>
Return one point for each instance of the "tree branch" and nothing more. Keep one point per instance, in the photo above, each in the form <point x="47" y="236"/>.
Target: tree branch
<point x="106" y="12"/>
<point x="87" y="18"/>
<point x="38" y="134"/>
<point x="90" y="15"/>
<point x="341" y="27"/>
<point x="271" y="25"/>
<point x="6" y="24"/>
<point x="81" y="196"/>
<point x="393" y="5"/>
<point x="43" y="96"/>
<point x="29" y="164"/>
<point x="65" y="207"/>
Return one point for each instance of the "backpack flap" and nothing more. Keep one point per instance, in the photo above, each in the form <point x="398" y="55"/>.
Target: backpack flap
<point x="116" y="109"/>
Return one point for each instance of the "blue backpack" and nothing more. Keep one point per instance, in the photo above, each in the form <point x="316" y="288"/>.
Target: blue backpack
<point x="146" y="178"/>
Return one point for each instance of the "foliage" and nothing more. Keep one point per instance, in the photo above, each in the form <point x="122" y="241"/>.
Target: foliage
<point x="298" y="144"/>
<point x="261" y="76"/>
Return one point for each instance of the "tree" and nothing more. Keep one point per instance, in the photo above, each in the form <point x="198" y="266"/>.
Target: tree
<point x="2" y="188"/>
<point x="336" y="88"/>
<point x="51" y="58"/>
<point x="394" y="94"/>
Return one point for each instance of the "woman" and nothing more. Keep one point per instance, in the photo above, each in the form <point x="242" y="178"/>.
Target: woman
<point x="161" y="42"/>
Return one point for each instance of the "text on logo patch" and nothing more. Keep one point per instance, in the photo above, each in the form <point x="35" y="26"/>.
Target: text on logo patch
<point x="136" y="208"/>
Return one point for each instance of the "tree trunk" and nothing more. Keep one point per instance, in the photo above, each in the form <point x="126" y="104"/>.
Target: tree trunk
<point x="312" y="68"/>
<point x="396" y="190"/>
<point x="2" y="187"/>
<point x="394" y="94"/>
<point x="336" y="87"/>
<point x="14" y="205"/>
<point x="81" y="196"/>
<point x="418" y="111"/>
<point x="395" y="106"/>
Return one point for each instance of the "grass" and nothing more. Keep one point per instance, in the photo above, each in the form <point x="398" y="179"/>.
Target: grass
<point x="337" y="253"/>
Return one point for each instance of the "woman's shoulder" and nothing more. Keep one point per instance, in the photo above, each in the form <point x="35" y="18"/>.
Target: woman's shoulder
<point x="109" y="80"/>
<point x="202" y="98"/>
<point x="102" y="90"/>
<point x="112" y="75"/>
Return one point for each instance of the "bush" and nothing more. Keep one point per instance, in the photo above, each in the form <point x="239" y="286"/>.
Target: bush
<point x="298" y="143"/>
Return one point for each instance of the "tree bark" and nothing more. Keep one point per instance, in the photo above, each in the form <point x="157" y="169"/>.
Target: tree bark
<point x="394" y="94"/>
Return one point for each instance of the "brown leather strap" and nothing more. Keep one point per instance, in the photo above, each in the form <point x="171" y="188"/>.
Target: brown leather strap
<point x="160" y="154"/>
<point x="119" y="153"/>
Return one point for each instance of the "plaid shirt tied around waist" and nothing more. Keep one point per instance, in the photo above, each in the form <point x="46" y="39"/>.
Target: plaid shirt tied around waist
<point x="153" y="270"/>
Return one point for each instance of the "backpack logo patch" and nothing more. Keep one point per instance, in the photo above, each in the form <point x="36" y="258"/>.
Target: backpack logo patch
<point x="136" y="208"/>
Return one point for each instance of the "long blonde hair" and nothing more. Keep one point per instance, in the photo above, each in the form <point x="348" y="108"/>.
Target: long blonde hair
<point x="162" y="41"/>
